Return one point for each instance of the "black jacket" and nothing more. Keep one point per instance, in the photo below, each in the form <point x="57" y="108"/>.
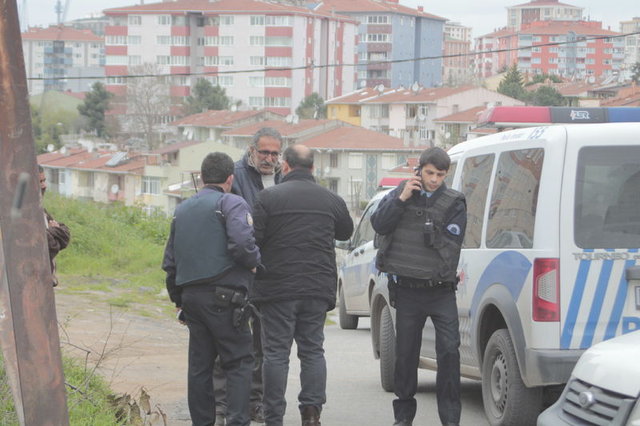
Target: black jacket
<point x="247" y="181"/>
<point x="296" y="223"/>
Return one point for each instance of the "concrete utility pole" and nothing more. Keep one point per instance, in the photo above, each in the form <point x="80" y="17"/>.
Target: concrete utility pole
<point x="28" y="325"/>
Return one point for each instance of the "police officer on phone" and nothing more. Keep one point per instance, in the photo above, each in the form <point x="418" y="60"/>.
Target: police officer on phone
<point x="210" y="260"/>
<point x="421" y="225"/>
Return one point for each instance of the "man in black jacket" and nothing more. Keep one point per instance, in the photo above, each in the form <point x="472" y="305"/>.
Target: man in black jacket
<point x="296" y="223"/>
<point x="210" y="259"/>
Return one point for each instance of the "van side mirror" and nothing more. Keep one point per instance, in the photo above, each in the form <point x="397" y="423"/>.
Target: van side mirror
<point x="343" y="245"/>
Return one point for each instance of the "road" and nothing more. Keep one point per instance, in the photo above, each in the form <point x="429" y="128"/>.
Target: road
<point x="134" y="351"/>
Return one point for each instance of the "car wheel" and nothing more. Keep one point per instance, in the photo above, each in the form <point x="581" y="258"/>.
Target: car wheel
<point x="347" y="322"/>
<point x="387" y="349"/>
<point x="507" y="401"/>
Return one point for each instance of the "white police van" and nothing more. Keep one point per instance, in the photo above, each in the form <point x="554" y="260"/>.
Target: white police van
<point x="553" y="224"/>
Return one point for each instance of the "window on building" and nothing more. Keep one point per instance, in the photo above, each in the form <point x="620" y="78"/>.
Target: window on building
<point x="279" y="61"/>
<point x="355" y="160"/>
<point x="135" y="60"/>
<point x="278" y="41"/>
<point x="256" y="41"/>
<point x="135" y="20"/>
<point x="388" y="161"/>
<point x="134" y="39"/>
<point x="333" y="185"/>
<point x="377" y="19"/>
<point x="256" y="102"/>
<point x="225" y="80"/>
<point x="179" y="20"/>
<point x="150" y="185"/>
<point x="279" y="21"/>
<point x="278" y="102"/>
<point x="257" y="20"/>
<point x="117" y="60"/>
<point x="256" y="81"/>
<point x="378" y="38"/>
<point x="213" y="21"/>
<point x="226" y="20"/>
<point x="257" y="60"/>
<point x="164" y="20"/>
<point x="113" y="40"/>
<point x="333" y="160"/>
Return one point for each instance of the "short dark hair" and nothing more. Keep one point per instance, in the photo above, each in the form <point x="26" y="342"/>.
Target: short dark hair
<point x="40" y="169"/>
<point x="266" y="132"/>
<point x="436" y="156"/>
<point x="298" y="157"/>
<point x="216" y="168"/>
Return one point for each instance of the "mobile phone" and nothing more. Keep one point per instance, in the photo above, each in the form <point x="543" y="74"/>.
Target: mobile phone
<point x="180" y="315"/>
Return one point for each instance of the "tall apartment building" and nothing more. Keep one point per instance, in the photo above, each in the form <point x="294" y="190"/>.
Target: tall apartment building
<point x="389" y="31"/>
<point x="53" y="54"/>
<point x="457" y="63"/>
<point x="632" y="44"/>
<point x="541" y="10"/>
<point x="585" y="49"/>
<point x="293" y="51"/>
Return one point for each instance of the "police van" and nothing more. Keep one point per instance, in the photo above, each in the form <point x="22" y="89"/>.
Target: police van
<point x="553" y="224"/>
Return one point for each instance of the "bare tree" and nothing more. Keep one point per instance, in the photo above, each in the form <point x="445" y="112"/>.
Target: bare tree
<point x="148" y="101"/>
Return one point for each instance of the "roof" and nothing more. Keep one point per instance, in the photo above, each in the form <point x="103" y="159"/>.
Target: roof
<point x="214" y="118"/>
<point x="357" y="139"/>
<point x="563" y="27"/>
<point x="95" y="161"/>
<point x="231" y="7"/>
<point x="357" y="96"/>
<point x="539" y="3"/>
<point x="422" y="95"/>
<point x="499" y="33"/>
<point x="379" y="6"/>
<point x="467" y="116"/>
<point x="628" y="96"/>
<point x="61" y="32"/>
<point x="285" y="129"/>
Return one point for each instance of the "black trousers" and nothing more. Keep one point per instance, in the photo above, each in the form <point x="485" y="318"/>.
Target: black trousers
<point x="413" y="306"/>
<point x="212" y="334"/>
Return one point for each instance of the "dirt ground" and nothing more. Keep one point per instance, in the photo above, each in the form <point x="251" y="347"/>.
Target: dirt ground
<point x="132" y="351"/>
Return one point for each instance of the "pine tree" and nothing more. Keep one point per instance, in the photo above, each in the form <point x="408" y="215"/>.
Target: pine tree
<point x="205" y="96"/>
<point x="96" y="103"/>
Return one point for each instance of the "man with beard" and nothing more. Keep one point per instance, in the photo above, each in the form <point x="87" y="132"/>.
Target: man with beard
<point x="58" y="235"/>
<point x="259" y="168"/>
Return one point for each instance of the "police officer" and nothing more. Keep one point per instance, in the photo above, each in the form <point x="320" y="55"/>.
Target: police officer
<point x="210" y="260"/>
<point x="421" y="224"/>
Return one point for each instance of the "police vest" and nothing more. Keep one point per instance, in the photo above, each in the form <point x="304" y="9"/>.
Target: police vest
<point x="409" y="251"/>
<point x="200" y="239"/>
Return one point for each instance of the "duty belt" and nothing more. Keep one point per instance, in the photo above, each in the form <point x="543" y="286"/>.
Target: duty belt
<point x="415" y="283"/>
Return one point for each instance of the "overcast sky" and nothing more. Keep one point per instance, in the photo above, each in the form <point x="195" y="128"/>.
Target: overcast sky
<point x="482" y="15"/>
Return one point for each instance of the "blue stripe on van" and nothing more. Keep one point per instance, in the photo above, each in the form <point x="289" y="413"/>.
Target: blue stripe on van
<point x="510" y="269"/>
<point x="596" y="305"/>
<point x="618" y="305"/>
<point x="574" y="304"/>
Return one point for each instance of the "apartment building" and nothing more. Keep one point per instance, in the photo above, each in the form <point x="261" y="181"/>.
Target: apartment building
<point x="267" y="55"/>
<point x="53" y="54"/>
<point x="456" y="65"/>
<point x="631" y="45"/>
<point x="389" y="31"/>
<point x="541" y="10"/>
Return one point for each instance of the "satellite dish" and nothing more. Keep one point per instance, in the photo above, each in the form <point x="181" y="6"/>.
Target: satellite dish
<point x="295" y="119"/>
<point x="50" y="147"/>
<point x="380" y="88"/>
<point x="115" y="188"/>
<point x="234" y="108"/>
<point x="289" y="118"/>
<point x="592" y="79"/>
<point x="447" y="135"/>
<point x="415" y="87"/>
<point x="421" y="117"/>
<point x="63" y="150"/>
<point x="327" y="170"/>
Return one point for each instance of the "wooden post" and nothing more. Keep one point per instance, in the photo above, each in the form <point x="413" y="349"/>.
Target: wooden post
<point x="28" y="325"/>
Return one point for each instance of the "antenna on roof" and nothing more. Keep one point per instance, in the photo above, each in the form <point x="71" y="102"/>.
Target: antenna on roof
<point x="415" y="88"/>
<point x="380" y="88"/>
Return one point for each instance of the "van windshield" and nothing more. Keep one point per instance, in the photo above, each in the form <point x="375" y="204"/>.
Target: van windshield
<point x="607" y="209"/>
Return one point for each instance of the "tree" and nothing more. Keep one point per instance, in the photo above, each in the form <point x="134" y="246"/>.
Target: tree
<point x="49" y="125"/>
<point x="512" y="84"/>
<point x="547" y="96"/>
<point x="205" y="96"/>
<point x="96" y="103"/>
<point x="148" y="101"/>
<point x="542" y="78"/>
<point x="312" y="106"/>
<point x="635" y="69"/>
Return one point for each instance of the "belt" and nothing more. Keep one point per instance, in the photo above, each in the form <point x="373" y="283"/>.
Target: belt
<point x="415" y="283"/>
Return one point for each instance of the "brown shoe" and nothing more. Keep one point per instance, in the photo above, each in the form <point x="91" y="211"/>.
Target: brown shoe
<point x="310" y="415"/>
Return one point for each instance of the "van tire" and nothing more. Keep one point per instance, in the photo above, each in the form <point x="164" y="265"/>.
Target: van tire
<point x="507" y="401"/>
<point x="347" y="322"/>
<point x="387" y="349"/>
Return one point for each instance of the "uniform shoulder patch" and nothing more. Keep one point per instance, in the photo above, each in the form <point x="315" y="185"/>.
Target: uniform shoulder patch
<point x="453" y="229"/>
<point x="249" y="219"/>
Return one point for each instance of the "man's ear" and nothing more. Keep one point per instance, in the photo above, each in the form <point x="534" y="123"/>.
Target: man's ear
<point x="229" y="181"/>
<point x="285" y="168"/>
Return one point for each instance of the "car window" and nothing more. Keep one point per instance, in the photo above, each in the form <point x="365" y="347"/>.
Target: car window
<point x="452" y="171"/>
<point x="476" y="172"/>
<point x="607" y="202"/>
<point x="512" y="212"/>
<point x="365" y="232"/>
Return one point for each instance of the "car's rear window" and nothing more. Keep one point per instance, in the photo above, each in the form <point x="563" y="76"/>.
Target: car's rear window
<point x="607" y="209"/>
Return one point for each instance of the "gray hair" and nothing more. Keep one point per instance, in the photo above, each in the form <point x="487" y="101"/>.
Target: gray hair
<point x="268" y="132"/>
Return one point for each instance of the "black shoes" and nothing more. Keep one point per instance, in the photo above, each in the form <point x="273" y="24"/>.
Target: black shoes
<point x="310" y="415"/>
<point x="403" y="423"/>
<point x="257" y="414"/>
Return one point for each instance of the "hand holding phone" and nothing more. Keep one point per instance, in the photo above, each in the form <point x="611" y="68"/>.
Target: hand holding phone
<point x="412" y="186"/>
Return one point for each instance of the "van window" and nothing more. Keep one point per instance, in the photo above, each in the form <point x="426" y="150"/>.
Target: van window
<point x="365" y="232"/>
<point x="476" y="173"/>
<point x="607" y="204"/>
<point x="512" y="212"/>
<point x="448" y="180"/>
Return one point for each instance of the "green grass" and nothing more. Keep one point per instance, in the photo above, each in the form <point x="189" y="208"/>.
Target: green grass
<point x="115" y="251"/>
<point x="87" y="397"/>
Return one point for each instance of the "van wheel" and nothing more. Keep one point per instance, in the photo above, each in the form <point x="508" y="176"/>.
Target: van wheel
<point x="347" y="322"/>
<point x="507" y="401"/>
<point x="387" y="349"/>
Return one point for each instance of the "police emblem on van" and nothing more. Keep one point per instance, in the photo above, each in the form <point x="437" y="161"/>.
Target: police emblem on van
<point x="579" y="115"/>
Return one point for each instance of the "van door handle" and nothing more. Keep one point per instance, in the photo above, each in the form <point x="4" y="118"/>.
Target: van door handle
<point x="361" y="251"/>
<point x="356" y="253"/>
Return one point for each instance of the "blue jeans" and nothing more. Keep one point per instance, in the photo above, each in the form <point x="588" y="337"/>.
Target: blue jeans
<point x="283" y="321"/>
